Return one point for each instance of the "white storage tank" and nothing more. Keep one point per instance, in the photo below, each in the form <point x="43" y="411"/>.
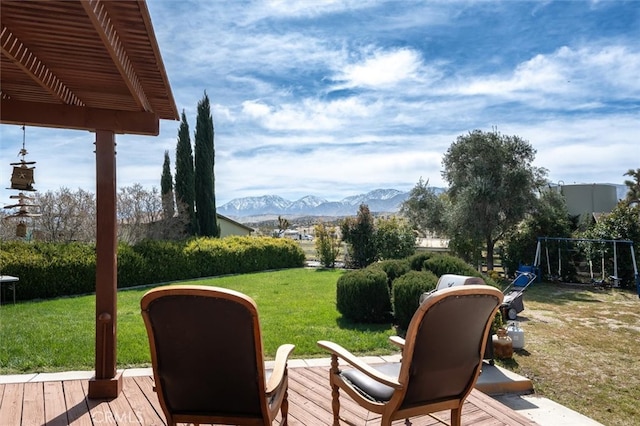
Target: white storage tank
<point x="589" y="198"/>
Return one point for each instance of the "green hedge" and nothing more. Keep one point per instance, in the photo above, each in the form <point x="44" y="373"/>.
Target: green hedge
<point x="407" y="290"/>
<point x="394" y="268"/>
<point x="417" y="260"/>
<point x="48" y="270"/>
<point x="441" y="264"/>
<point x="363" y="296"/>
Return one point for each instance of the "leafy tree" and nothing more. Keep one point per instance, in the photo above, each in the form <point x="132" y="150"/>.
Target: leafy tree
<point x="185" y="177"/>
<point x="394" y="239"/>
<point x="166" y="188"/>
<point x="621" y="224"/>
<point x="327" y="244"/>
<point x="204" y="177"/>
<point x="492" y="185"/>
<point x="359" y="234"/>
<point x="633" y="196"/>
<point x="549" y="218"/>
<point x="425" y="210"/>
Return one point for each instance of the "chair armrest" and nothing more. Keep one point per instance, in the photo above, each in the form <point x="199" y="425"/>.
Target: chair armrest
<point x="355" y="362"/>
<point x="280" y="367"/>
<point x="397" y="340"/>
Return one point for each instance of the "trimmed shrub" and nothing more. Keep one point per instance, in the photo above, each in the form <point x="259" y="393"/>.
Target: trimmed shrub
<point x="441" y="264"/>
<point x="363" y="296"/>
<point x="407" y="290"/>
<point x="239" y="255"/>
<point x="48" y="270"/>
<point x="446" y="264"/>
<point x="417" y="260"/>
<point x="394" y="268"/>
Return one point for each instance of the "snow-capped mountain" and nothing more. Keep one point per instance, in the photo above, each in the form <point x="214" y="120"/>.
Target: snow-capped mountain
<point x="254" y="205"/>
<point x="305" y="203"/>
<point x="379" y="200"/>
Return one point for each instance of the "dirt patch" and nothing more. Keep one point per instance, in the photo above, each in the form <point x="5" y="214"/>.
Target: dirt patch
<point x="581" y="349"/>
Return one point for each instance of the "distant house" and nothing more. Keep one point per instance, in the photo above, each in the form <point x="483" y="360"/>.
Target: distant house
<point x="229" y="226"/>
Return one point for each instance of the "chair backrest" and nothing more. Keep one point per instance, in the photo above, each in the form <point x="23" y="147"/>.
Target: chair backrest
<point x="445" y="343"/>
<point x="206" y="350"/>
<point x="452" y="280"/>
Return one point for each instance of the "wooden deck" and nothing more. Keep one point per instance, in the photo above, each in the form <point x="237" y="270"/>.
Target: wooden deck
<point x="66" y="403"/>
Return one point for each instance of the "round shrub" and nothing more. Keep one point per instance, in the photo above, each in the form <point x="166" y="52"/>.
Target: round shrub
<point x="417" y="260"/>
<point x="394" y="268"/>
<point x="446" y="264"/>
<point x="407" y="290"/>
<point x="363" y="296"/>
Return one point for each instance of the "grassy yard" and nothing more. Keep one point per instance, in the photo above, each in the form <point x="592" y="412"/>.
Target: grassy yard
<point x="295" y="306"/>
<point x="582" y="351"/>
<point x="581" y="345"/>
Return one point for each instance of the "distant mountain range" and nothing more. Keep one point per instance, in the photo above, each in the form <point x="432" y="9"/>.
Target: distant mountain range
<point x="379" y="201"/>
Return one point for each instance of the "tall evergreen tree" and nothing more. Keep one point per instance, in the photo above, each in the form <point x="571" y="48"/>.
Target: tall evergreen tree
<point x="166" y="188"/>
<point x="185" y="177"/>
<point x="359" y="234"/>
<point x="204" y="177"/>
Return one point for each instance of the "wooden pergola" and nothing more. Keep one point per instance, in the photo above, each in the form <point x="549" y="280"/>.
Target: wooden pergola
<point x="89" y="65"/>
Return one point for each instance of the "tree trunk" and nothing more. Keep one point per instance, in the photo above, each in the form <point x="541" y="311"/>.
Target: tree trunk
<point x="490" y="245"/>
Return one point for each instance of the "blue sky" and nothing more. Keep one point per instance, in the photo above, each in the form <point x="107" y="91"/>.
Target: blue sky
<point x="336" y="98"/>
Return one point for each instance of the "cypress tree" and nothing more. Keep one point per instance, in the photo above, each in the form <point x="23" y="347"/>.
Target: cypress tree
<point x="166" y="188"/>
<point x="204" y="177"/>
<point x="185" y="178"/>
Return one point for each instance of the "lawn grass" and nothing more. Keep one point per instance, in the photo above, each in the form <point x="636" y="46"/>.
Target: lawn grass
<point x="582" y="351"/>
<point x="295" y="306"/>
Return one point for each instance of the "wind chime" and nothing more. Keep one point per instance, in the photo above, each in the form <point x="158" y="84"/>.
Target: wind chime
<point x="22" y="180"/>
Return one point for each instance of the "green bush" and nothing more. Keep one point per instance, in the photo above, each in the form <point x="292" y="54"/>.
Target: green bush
<point x="407" y="290"/>
<point x="48" y="270"/>
<point x="446" y="264"/>
<point x="327" y="244"/>
<point x="441" y="264"/>
<point x="393" y="268"/>
<point x="417" y="260"/>
<point x="363" y="296"/>
<point x="395" y="239"/>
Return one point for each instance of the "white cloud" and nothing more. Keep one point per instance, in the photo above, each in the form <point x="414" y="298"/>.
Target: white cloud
<point x="572" y="77"/>
<point x="382" y="69"/>
<point x="296" y="8"/>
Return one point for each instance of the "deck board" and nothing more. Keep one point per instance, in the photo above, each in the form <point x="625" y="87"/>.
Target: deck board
<point x="32" y="404"/>
<point x="66" y="402"/>
<point x="76" y="402"/>
<point x="11" y="405"/>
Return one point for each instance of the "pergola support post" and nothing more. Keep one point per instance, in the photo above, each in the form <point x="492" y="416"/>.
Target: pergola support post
<point x="107" y="382"/>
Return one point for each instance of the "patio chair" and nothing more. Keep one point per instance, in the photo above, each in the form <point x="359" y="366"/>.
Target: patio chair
<point x="206" y="352"/>
<point x="441" y="359"/>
